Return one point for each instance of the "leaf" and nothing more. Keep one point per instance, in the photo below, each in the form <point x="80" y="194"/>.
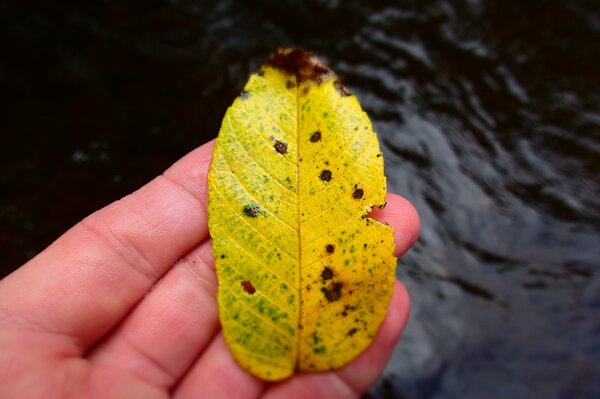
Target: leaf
<point x="304" y="276"/>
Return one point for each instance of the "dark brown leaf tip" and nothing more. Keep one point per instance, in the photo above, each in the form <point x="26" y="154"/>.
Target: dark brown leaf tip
<point x="248" y="287"/>
<point x="300" y="63"/>
<point x="325" y="175"/>
<point x="316" y="136"/>
<point x="280" y="147"/>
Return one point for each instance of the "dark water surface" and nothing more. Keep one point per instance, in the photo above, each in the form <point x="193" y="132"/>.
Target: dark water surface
<point x="489" y="117"/>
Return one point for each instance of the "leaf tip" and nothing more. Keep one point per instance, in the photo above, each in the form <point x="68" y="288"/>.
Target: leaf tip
<point x="302" y="64"/>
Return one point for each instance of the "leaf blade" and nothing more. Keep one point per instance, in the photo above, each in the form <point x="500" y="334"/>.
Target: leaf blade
<point x="298" y="165"/>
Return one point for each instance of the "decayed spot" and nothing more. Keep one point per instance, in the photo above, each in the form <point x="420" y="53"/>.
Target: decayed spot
<point x="316" y="136"/>
<point x="252" y="210"/>
<point x="358" y="193"/>
<point x="281" y="225"/>
<point x="325" y="175"/>
<point x="280" y="147"/>
<point x="327" y="273"/>
<point x="333" y="292"/>
<point x="347" y="308"/>
<point x="248" y="287"/>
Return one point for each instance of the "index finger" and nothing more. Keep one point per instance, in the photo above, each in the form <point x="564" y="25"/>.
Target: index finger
<point x="94" y="274"/>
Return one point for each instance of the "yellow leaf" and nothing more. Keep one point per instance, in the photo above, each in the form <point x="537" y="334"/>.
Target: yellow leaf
<point x="305" y="276"/>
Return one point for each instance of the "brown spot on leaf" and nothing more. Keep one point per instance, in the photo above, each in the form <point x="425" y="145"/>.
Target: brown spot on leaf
<point x="333" y="292"/>
<point x="316" y="136"/>
<point x="347" y="308"/>
<point x="300" y="63"/>
<point x="248" y="287"/>
<point x="329" y="248"/>
<point x="252" y="210"/>
<point x="289" y="85"/>
<point x="352" y="331"/>
<point x="280" y="147"/>
<point x="327" y="273"/>
<point x="358" y="193"/>
<point x="325" y="175"/>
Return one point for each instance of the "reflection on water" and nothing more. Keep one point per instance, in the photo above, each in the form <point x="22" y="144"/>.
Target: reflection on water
<point x="490" y="123"/>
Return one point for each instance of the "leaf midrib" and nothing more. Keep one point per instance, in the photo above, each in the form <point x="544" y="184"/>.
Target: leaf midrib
<point x="298" y="223"/>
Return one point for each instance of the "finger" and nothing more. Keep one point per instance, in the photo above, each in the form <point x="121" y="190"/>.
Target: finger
<point x="92" y="276"/>
<point x="403" y="217"/>
<point x="178" y="319"/>
<point x="217" y="375"/>
<point x="355" y="378"/>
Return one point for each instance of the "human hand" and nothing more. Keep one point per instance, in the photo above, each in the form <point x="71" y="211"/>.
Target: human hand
<point x="123" y="305"/>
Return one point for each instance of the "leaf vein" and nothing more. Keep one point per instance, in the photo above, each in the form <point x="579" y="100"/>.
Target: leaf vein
<point x="355" y="289"/>
<point x="259" y="261"/>
<point x="257" y="164"/>
<point x="253" y="197"/>
<point x="353" y="157"/>
<point x="269" y="240"/>
<point x="251" y="309"/>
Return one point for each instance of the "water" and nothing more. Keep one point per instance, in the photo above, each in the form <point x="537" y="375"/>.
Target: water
<point x="489" y="117"/>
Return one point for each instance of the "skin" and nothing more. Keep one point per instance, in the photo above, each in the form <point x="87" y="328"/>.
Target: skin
<point x="123" y="306"/>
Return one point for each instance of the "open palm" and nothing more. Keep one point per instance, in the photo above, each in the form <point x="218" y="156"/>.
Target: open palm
<point x="123" y="305"/>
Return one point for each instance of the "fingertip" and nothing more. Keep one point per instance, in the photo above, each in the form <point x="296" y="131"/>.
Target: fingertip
<point x="403" y="217"/>
<point x="401" y="302"/>
<point x="397" y="316"/>
<point x="191" y="171"/>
